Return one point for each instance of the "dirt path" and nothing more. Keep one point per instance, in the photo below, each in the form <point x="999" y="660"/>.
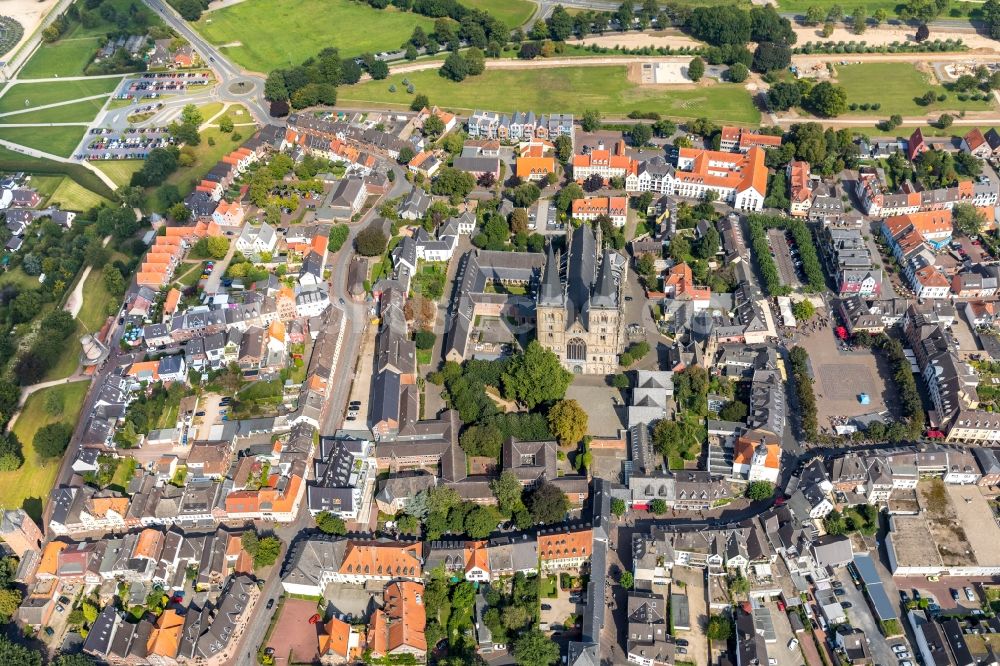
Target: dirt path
<point x="887" y="35"/>
<point x="547" y="63"/>
<point x="852" y="58"/>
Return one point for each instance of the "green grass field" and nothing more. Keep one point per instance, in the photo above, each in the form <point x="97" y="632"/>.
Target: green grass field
<point x="67" y="57"/>
<point x="29" y="486"/>
<point x="18" y="278"/>
<point x="75" y="112"/>
<point x="119" y="171"/>
<point x="96" y="298"/>
<point x="956" y="10"/>
<point x="566" y="89"/>
<point x="514" y="13"/>
<point x="281" y="33"/>
<point x="46" y="186"/>
<point x="70" y="195"/>
<point x="867" y="83"/>
<point x="11" y="160"/>
<point x="69" y="358"/>
<point x="23" y="96"/>
<point x="55" y="140"/>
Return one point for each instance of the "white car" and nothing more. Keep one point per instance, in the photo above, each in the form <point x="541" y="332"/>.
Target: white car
<point x="792" y="644"/>
<point x="898" y="648"/>
<point x="906" y="663"/>
<point x="969" y="594"/>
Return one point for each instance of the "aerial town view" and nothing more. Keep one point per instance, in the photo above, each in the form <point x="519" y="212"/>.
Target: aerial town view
<point x="500" y="332"/>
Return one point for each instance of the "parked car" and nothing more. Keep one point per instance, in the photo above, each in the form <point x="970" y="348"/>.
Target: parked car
<point x="793" y="644"/>
<point x="954" y="594"/>
<point x="270" y="604"/>
<point x="682" y="642"/>
<point x="546" y="607"/>
<point x="969" y="594"/>
<point x="847" y="604"/>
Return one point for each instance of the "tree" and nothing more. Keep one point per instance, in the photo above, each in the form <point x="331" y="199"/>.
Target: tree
<point x="547" y="503"/>
<point x="370" y="242"/>
<point x="783" y="96"/>
<point x="803" y="310"/>
<point x="719" y="628"/>
<point x="771" y="57"/>
<point x="567" y="195"/>
<point x="51" y="440"/>
<point x="330" y="524"/>
<point x="217" y="246"/>
<point x="827" y="100"/>
<point x="815" y="15"/>
<point x="991" y="17"/>
<point x="945" y="121"/>
<point x="338" y="236"/>
<point x="90" y="612"/>
<point x="967" y="219"/>
<point x="11" y="457"/>
<point x="179" y="213"/>
<point x="475" y="61"/>
<point x="564" y="148"/>
<point x="10" y="599"/>
<point x="532" y="648"/>
<point x="591" y="120"/>
<point x="734" y="411"/>
<point x="641" y="134"/>
<point x="433" y="126"/>
<point x="618" y="506"/>
<point x="696" y="69"/>
<point x="879" y="16"/>
<point x="79" y="659"/>
<point x="453" y="183"/>
<point x="454" y="68"/>
<point x="658" y="506"/>
<point x="535" y="376"/>
<point x="923" y="32"/>
<point x="420" y="101"/>
<point x="738" y="73"/>
<point x="508" y="490"/>
<point x="264" y="551"/>
<point x="12" y="654"/>
<point x="568" y="421"/>
<point x="720" y="25"/>
<point x="626" y="580"/>
<point x="859" y="19"/>
<point x="760" y="490"/>
<point x="481" y="521"/>
<point x="226" y="124"/>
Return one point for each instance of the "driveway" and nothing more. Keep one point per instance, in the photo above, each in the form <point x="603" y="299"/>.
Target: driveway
<point x="691" y="582"/>
<point x="783" y="632"/>
<point x="861" y="617"/>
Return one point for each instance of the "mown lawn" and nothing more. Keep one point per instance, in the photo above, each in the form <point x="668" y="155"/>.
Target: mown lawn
<point x="96" y="299"/>
<point x="956" y="10"/>
<point x="76" y="112"/>
<point x="206" y="157"/>
<point x="119" y="171"/>
<point x="23" y="96"/>
<point x="70" y="195"/>
<point x="561" y="89"/>
<point x="514" y="13"/>
<point x="897" y="86"/>
<point x="18" y="278"/>
<point x="282" y="33"/>
<point x="67" y="57"/>
<point x="29" y="486"/>
<point x="61" y="141"/>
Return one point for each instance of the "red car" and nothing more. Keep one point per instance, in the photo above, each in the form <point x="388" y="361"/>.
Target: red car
<point x="781" y="605"/>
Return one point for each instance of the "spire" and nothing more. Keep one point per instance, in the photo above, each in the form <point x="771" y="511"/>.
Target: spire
<point x="552" y="290"/>
<point x="605" y="293"/>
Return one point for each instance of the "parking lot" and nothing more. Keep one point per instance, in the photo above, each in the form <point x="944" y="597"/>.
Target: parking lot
<point x="132" y="143"/>
<point x="781" y="251"/>
<point x="153" y="85"/>
<point x="559" y="608"/>
<point x="691" y="582"/>
<point x="940" y="592"/>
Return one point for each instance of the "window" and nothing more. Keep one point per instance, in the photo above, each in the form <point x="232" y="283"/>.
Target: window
<point x="576" y="350"/>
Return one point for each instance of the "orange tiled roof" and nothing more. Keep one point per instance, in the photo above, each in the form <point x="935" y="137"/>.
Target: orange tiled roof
<point x="407" y="620"/>
<point x="975" y="138"/>
<point x="745" y="446"/>
<point x="534" y="165"/>
<point x="728" y="170"/>
<point x="173" y="298"/>
<point x="930" y="276"/>
<point x="565" y="545"/>
<point x="925" y="222"/>
<point x="476" y="556"/>
<point x="799" y="180"/>
<point x="335" y="638"/>
<point x="381" y="559"/>
<point x="277" y="330"/>
<point x="319" y="244"/>
<point x="50" y="557"/>
<point x="102" y="505"/>
<point x="149" y="545"/>
<point x="164" y="641"/>
<point x="611" y="206"/>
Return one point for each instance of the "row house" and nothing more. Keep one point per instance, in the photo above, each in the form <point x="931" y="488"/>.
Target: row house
<point x="871" y="316"/>
<point x="848" y="258"/>
<point x="872" y="190"/>
<point x="800" y="191"/>
<point x="913" y="239"/>
<point x="519" y="126"/>
<point x="975" y="143"/>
